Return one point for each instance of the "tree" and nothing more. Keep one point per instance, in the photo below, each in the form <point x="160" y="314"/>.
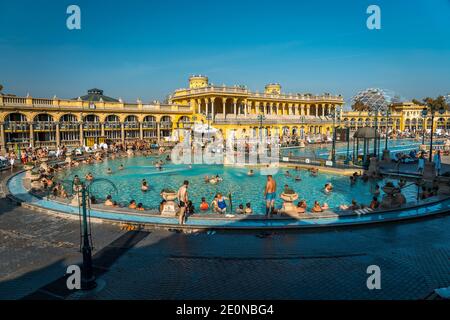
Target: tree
<point x="436" y="104"/>
<point x="1" y="88"/>
<point x="417" y="102"/>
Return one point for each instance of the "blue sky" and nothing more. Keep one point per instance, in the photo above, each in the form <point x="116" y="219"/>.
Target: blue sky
<point x="146" y="49"/>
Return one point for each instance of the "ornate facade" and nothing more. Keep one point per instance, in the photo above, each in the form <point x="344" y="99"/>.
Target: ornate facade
<point x="95" y="118"/>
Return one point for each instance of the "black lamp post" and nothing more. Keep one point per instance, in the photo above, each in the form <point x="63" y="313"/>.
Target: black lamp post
<point x="87" y="272"/>
<point x="261" y="118"/>
<point x="336" y="113"/>
<point x="386" y="114"/>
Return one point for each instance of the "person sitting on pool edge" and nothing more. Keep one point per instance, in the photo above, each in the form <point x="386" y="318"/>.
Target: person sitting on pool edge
<point x="317" y="207"/>
<point x="132" y="204"/>
<point x="109" y="201"/>
<point x="140" y="207"/>
<point x="354" y="206"/>
<point x="161" y="205"/>
<point x="240" y="209"/>
<point x="204" y="205"/>
<point x="221" y="204"/>
<point x="301" y="206"/>
<point x="374" y="204"/>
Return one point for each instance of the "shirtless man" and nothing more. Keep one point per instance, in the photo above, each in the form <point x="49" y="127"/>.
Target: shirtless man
<point x="183" y="199"/>
<point x="270" y="195"/>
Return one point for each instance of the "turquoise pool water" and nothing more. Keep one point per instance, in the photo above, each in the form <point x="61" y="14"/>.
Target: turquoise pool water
<point x="401" y="145"/>
<point x="243" y="189"/>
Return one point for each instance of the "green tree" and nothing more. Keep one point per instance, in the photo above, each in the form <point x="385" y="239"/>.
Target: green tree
<point x="436" y="104"/>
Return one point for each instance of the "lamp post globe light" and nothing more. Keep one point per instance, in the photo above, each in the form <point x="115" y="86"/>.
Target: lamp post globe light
<point x="386" y="114"/>
<point x="375" y="101"/>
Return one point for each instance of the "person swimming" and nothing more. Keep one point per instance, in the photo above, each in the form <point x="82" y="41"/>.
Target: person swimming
<point x="250" y="173"/>
<point x="328" y="188"/>
<point x="298" y="179"/>
<point x="109" y="171"/>
<point x="144" y="186"/>
<point x="121" y="167"/>
<point x="89" y="177"/>
<point x="240" y="209"/>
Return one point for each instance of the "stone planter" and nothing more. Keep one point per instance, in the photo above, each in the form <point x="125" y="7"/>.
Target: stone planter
<point x="169" y="196"/>
<point x="289" y="197"/>
<point x="28" y="168"/>
<point x="390" y="190"/>
<point x="170" y="208"/>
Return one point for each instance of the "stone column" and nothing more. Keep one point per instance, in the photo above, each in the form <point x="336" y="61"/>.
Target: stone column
<point x="141" y="131"/>
<point x="308" y="110"/>
<point x="158" y="132"/>
<point x="323" y="110"/>
<point x="122" y="132"/>
<point x="235" y="107"/>
<point x="207" y="107"/>
<point x="199" y="106"/>
<point x="224" y="103"/>
<point x="58" y="138"/>
<point x="290" y="109"/>
<point x="32" y="135"/>
<point x="212" y="109"/>
<point x="81" y="135"/>
<point x="102" y="128"/>
<point x="302" y="109"/>
<point x="245" y="109"/>
<point x="2" y="139"/>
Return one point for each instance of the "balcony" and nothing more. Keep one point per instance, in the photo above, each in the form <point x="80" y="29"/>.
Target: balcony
<point x="165" y="125"/>
<point x="44" y="126"/>
<point x="112" y="126"/>
<point x="272" y="119"/>
<point x="16" y="126"/>
<point x="149" y="125"/>
<point x="69" y="126"/>
<point x="131" y="125"/>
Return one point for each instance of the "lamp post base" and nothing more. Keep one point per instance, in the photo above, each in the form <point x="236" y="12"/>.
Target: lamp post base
<point x="386" y="155"/>
<point x="429" y="172"/>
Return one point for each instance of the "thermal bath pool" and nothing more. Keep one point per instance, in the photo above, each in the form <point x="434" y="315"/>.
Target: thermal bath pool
<point x="242" y="188"/>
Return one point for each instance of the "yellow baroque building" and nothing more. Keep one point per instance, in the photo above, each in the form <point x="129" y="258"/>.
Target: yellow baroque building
<point x="95" y="117"/>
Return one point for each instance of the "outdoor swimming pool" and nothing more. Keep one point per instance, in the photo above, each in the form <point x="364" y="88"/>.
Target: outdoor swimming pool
<point x="243" y="188"/>
<point x="322" y="152"/>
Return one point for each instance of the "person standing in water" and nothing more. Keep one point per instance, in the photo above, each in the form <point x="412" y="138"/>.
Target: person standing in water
<point x="183" y="200"/>
<point x="270" y="195"/>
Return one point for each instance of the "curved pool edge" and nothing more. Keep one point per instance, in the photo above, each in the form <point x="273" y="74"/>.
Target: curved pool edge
<point x="17" y="192"/>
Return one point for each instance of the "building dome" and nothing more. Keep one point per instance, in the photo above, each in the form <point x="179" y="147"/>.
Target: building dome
<point x="273" y="88"/>
<point x="96" y="95"/>
<point x="198" y="81"/>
